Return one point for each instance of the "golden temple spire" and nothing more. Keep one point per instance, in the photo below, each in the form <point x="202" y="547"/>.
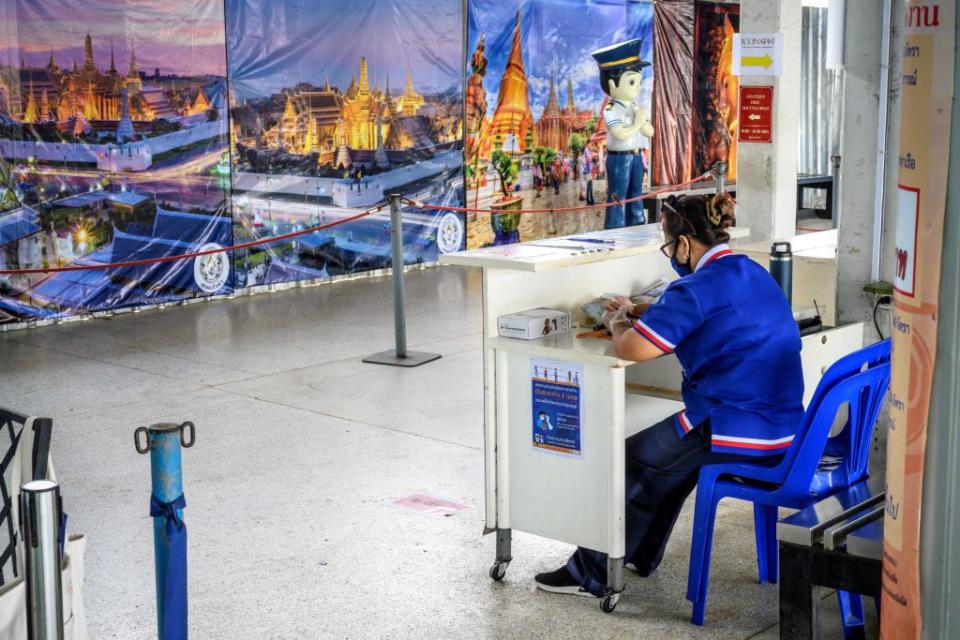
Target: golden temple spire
<point x="288" y="110"/>
<point x="88" y="64"/>
<point x="31" y="115"/>
<point x="553" y="103"/>
<point x="364" y="79"/>
<point x="409" y="86"/>
<point x="512" y="118"/>
<point x="134" y="72"/>
<point x="516" y="50"/>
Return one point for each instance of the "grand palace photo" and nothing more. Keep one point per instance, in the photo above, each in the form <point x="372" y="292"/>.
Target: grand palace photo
<point x="81" y="97"/>
<point x="363" y="124"/>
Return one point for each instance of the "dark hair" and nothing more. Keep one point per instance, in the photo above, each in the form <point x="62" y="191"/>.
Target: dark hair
<point x="703" y="218"/>
<point x="612" y="74"/>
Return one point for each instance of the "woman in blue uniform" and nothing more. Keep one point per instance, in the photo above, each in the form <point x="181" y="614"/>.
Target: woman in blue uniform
<point x="734" y="334"/>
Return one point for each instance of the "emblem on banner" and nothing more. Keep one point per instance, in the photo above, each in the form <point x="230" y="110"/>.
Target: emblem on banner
<point x="211" y="271"/>
<point x="450" y="233"/>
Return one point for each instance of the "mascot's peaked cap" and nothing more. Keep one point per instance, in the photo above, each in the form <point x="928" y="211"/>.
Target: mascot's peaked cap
<point x="623" y="55"/>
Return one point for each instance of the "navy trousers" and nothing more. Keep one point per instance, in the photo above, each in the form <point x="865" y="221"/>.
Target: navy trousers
<point x="661" y="471"/>
<point x="624" y="181"/>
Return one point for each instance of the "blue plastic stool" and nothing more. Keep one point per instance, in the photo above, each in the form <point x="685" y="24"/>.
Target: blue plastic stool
<point x="860" y="380"/>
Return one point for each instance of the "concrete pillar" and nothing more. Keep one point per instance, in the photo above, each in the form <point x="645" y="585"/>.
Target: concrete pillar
<point x="767" y="173"/>
<point x="892" y="160"/>
<point x="859" y="151"/>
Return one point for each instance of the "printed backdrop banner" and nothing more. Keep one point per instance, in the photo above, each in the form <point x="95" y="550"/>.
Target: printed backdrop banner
<point x="113" y="138"/>
<point x="673" y="94"/>
<point x="534" y="105"/>
<point x="695" y="95"/>
<point x="332" y="108"/>
<point x="715" y="88"/>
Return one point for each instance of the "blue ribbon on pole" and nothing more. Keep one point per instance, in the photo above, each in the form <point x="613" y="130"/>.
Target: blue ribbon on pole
<point x="175" y="593"/>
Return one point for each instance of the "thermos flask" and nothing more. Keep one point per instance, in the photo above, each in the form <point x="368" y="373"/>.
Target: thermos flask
<point x="781" y="267"/>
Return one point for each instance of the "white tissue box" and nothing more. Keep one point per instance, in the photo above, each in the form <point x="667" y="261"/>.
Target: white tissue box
<point x="533" y="324"/>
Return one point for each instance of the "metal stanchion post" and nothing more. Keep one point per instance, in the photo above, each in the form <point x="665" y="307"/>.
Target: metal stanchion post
<point x="399" y="357"/>
<point x="720" y="176"/>
<point x="835" y="190"/>
<point x="40" y="528"/>
<point x="163" y="441"/>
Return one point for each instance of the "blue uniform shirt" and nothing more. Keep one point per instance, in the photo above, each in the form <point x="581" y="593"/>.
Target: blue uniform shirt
<point x="734" y="334"/>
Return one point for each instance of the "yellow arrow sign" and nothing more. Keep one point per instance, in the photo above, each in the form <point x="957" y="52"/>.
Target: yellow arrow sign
<point x="757" y="61"/>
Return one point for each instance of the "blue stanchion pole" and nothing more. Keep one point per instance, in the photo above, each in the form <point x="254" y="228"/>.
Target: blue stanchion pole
<point x="164" y="442"/>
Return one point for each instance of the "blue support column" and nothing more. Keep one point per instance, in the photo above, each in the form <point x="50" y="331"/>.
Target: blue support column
<point x="164" y="441"/>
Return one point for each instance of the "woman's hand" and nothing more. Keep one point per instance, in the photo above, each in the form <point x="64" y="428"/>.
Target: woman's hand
<point x="618" y="317"/>
<point x="633" y="311"/>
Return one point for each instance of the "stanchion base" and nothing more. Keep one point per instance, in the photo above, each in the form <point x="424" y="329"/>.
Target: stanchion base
<point x="412" y="359"/>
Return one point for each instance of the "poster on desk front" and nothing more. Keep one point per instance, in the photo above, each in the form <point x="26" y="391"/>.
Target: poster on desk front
<point x="113" y="145"/>
<point x="557" y="406"/>
<point x="334" y="106"/>
<point x="927" y="92"/>
<point x="536" y="137"/>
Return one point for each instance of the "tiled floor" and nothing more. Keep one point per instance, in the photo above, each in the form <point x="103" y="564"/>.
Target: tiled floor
<point x="301" y="450"/>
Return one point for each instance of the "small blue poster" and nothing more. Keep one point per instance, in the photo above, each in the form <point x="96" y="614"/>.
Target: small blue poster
<point x="557" y="406"/>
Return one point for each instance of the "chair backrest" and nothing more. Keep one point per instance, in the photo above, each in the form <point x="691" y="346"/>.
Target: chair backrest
<point x="869" y="356"/>
<point x="850" y="448"/>
<point x="863" y="392"/>
<point x="863" y="359"/>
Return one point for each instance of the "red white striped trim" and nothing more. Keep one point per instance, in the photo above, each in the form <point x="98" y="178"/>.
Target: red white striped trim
<point x="684" y="421"/>
<point x="659" y="341"/>
<point x="715" y="253"/>
<point x="752" y="443"/>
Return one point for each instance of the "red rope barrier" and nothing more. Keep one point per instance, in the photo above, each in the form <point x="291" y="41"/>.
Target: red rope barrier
<point x="329" y="225"/>
<point x="185" y="256"/>
<point x="646" y="196"/>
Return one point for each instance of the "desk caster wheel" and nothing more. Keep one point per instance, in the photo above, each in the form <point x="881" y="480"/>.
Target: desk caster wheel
<point x="609" y="603"/>
<point x="497" y="571"/>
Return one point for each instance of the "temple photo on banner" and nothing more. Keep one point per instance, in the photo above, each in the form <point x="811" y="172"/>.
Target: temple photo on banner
<point x="332" y="110"/>
<point x="536" y="132"/>
<point x="113" y="148"/>
<point x="132" y="135"/>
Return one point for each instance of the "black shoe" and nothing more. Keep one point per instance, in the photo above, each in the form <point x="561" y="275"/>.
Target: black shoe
<point x="632" y="567"/>
<point x="560" y="581"/>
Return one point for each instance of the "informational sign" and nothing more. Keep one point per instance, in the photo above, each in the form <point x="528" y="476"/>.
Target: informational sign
<point x="757" y="54"/>
<point x="908" y="217"/>
<point x="926" y="98"/>
<point x="756" y="114"/>
<point x="557" y="406"/>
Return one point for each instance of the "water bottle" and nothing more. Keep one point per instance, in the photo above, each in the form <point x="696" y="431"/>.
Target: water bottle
<point x="781" y="267"/>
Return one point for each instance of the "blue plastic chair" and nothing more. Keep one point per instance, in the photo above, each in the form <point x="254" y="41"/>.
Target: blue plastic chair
<point x="860" y="380"/>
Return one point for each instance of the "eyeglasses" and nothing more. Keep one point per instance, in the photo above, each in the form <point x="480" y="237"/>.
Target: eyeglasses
<point x="668" y="205"/>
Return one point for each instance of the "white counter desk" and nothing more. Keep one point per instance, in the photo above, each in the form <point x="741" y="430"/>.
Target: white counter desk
<point x="577" y="495"/>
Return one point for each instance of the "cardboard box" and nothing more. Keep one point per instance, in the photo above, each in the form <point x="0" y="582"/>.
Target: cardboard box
<point x="533" y="324"/>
